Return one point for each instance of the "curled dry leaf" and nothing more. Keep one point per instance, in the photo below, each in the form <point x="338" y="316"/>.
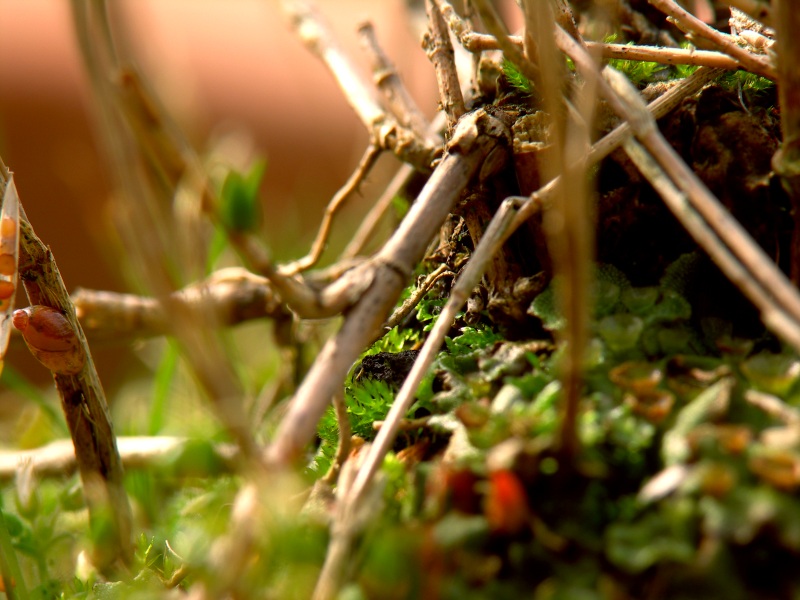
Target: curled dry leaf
<point x="51" y="339"/>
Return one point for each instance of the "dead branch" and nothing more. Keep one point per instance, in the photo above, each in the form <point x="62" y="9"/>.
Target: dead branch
<point x="386" y="79"/>
<point x="758" y="64"/>
<point x="477" y="134"/>
<point x="84" y="404"/>
<point x="57" y="459"/>
<point x="495" y="235"/>
<point x="233" y="295"/>
<point x="786" y="161"/>
<point x="368" y="160"/>
<point x="480" y="42"/>
<point x="415" y="298"/>
<point x="363" y="98"/>
<point x="440" y="52"/>
<point x="370" y="223"/>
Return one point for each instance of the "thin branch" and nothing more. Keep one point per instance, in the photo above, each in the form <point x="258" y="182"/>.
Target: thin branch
<point x="233" y="295"/>
<point x="57" y="459"/>
<point x="366" y="163"/>
<point x="759" y="64"/>
<point x="440" y="52"/>
<point x="496" y="233"/>
<point x="315" y="33"/>
<point x="667" y="56"/>
<point x="476" y="135"/>
<point x="739" y="243"/>
<point x="786" y="161"/>
<point x="370" y="223"/>
<point x="84" y="404"/>
<point x="398" y="99"/>
<point x="402" y="311"/>
<point x="479" y="42"/>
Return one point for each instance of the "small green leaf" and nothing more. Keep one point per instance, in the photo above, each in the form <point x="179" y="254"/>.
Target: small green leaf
<point x="240" y="209"/>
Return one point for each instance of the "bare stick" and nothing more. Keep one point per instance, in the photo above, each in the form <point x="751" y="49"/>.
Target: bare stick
<point x="58" y="459"/>
<point x="233" y="295"/>
<point x="752" y="257"/>
<point x="370" y="223"/>
<point x="84" y="404"/>
<point x="316" y="35"/>
<point x="476" y="135"/>
<point x="759" y="64"/>
<point x="479" y="42"/>
<point x="667" y="56"/>
<point x="400" y="313"/>
<point x="345" y="193"/>
<point x="786" y="161"/>
<point x="398" y="99"/>
<point x="711" y="244"/>
<point x="440" y="52"/>
<point x="496" y="233"/>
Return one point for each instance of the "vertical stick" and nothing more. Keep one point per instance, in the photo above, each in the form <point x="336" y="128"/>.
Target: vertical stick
<point x="85" y="409"/>
<point x="786" y="161"/>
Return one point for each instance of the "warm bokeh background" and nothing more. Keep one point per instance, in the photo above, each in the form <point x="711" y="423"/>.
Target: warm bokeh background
<point x="218" y="65"/>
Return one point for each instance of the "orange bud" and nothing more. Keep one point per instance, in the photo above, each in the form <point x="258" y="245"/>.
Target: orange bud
<point x="51" y="339"/>
<point x="8" y="264"/>
<point x="506" y="505"/>
<point x="6" y="289"/>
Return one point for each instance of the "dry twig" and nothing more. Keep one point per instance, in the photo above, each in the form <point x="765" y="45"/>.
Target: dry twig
<point x="58" y="458"/>
<point x="758" y="64"/>
<point x="784" y="297"/>
<point x="440" y="52"/>
<point x="390" y="134"/>
<point x="368" y="160"/>
<point x="786" y="161"/>
<point x="84" y="404"/>
<point x="477" y="134"/>
<point x="398" y="100"/>
<point x="233" y="295"/>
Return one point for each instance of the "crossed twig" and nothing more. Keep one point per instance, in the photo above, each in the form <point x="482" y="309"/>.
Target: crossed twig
<point x="366" y="291"/>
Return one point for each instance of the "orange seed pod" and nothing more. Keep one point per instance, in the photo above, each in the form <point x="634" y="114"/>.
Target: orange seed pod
<point x="51" y="339"/>
<point x="7" y="289"/>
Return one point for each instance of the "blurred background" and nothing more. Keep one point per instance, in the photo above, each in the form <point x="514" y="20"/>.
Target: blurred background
<point x="219" y="66"/>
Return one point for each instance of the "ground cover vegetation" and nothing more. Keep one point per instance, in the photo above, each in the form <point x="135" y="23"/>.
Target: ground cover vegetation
<point x="570" y="371"/>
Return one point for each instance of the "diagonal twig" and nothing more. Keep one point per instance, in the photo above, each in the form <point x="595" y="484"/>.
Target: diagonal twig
<point x="740" y="244"/>
<point x="440" y="52"/>
<point x="477" y="134"/>
<point x="84" y="404"/>
<point x="387" y="80"/>
<point x="363" y="98"/>
<point x="759" y="64"/>
<point x="366" y="163"/>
